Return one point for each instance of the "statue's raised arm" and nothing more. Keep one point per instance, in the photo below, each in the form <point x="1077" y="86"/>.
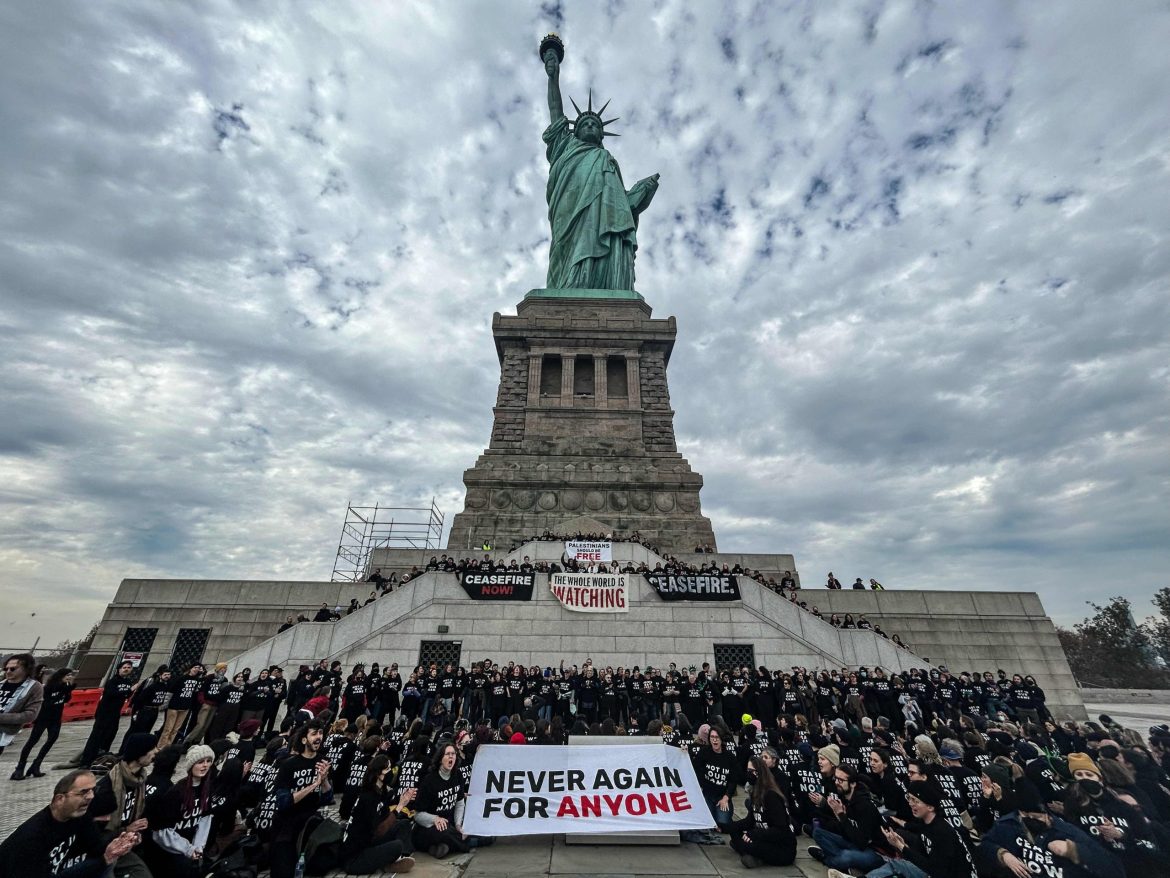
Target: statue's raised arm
<point x="592" y="215"/>
<point x="552" y="66"/>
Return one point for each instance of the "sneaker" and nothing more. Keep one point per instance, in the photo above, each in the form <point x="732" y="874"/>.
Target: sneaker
<point x="834" y="873"/>
<point x="18" y="774"/>
<point x="816" y="853"/>
<point x="438" y="851"/>
<point x="402" y="864"/>
<point x="750" y="862"/>
<point x="807" y="829"/>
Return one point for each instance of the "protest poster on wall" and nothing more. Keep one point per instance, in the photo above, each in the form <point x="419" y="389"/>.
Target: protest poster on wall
<point x="591" y="592"/>
<point x="694" y="586"/>
<point x="589" y="551"/>
<point x="488" y="586"/>
<point x="583" y="789"/>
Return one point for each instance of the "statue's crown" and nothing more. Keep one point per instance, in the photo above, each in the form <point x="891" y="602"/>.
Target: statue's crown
<point x="596" y="114"/>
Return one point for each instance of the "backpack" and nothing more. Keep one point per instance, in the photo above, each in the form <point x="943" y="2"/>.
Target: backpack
<point x="320" y="842"/>
<point x="240" y="860"/>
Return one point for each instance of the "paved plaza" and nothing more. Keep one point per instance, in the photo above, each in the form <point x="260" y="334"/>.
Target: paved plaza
<point x="525" y="857"/>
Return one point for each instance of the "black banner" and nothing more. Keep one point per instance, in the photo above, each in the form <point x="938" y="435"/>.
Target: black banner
<point x="497" y="586"/>
<point x="694" y="586"/>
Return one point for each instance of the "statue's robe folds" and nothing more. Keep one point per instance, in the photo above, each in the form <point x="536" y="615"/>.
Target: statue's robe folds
<point x="593" y="227"/>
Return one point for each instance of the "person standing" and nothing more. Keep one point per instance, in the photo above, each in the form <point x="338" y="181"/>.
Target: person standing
<point x="146" y="702"/>
<point x="278" y="690"/>
<point x="210" y="695"/>
<point x="105" y="721"/>
<point x="58" y="691"/>
<point x="21" y="697"/>
<point x="183" y="692"/>
<point x="227" y="714"/>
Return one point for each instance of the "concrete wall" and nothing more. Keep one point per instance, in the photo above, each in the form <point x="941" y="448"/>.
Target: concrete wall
<point x="543" y="632"/>
<point x="964" y="630"/>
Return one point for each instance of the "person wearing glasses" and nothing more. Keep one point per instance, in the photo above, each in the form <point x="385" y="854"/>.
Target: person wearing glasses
<point x="21" y="697"/>
<point x="62" y="839"/>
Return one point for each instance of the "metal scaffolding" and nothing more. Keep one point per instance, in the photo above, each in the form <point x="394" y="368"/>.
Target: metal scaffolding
<point x="376" y="527"/>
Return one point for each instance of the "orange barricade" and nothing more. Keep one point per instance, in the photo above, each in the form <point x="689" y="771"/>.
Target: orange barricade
<point x="83" y="705"/>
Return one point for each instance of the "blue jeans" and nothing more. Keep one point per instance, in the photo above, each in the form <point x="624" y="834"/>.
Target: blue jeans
<point x="842" y="854"/>
<point x="900" y="868"/>
<point x="722" y="818"/>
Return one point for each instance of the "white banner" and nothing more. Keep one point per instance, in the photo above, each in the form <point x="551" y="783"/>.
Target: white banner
<point x="529" y="790"/>
<point x="592" y="592"/>
<point x="589" y="552"/>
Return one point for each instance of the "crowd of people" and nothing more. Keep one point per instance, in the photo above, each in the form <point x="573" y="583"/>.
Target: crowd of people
<point x="787" y="586"/>
<point x="924" y="774"/>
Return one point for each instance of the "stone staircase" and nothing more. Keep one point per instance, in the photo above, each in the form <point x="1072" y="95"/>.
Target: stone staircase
<point x="391" y="628"/>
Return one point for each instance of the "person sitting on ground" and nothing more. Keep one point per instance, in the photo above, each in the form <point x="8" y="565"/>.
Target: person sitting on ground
<point x="377" y="835"/>
<point x="764" y="837"/>
<point x="180" y="818"/>
<point x="850" y="825"/>
<point x="928" y="847"/>
<point x="119" y="800"/>
<point x="438" y="822"/>
<point x="62" y="840"/>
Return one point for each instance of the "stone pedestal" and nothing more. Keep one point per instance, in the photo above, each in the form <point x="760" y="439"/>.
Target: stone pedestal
<point x="583" y="432"/>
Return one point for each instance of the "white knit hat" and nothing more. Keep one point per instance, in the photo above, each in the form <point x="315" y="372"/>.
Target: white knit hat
<point x="196" y="754"/>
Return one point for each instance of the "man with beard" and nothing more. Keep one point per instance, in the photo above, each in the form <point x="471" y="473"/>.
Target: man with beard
<point x="61" y="840"/>
<point x="847" y="841"/>
<point x="302" y="786"/>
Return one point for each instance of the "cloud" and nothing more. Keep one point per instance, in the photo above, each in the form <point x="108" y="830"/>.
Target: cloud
<point x="249" y="257"/>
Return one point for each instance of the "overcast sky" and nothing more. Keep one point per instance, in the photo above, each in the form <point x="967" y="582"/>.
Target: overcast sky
<point x="918" y="254"/>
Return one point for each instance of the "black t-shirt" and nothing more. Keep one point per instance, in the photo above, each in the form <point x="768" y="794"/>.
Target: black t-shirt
<point x="114" y="694"/>
<point x="105" y="803"/>
<point x="183" y="691"/>
<point x="171" y="812"/>
<point x="410" y="773"/>
<point x="213" y="689"/>
<point x="438" y="796"/>
<point x="716" y="772"/>
<point x="57" y="695"/>
<point x="294" y="775"/>
<point x="42" y="847"/>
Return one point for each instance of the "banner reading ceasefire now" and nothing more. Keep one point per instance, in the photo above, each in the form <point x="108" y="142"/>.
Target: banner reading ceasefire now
<point x="575" y="789"/>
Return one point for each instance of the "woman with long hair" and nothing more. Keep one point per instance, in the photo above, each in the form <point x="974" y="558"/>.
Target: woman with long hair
<point x="764" y="837"/>
<point x="180" y="819"/>
<point x="58" y="692"/>
<point x="372" y="842"/>
<point x="438" y="820"/>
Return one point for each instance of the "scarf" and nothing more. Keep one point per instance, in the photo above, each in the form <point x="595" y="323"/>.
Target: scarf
<point x="122" y="778"/>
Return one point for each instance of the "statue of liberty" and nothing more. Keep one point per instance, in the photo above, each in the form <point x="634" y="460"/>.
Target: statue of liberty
<point x="593" y="218"/>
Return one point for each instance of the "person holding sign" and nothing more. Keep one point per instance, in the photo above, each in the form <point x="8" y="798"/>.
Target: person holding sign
<point x="715" y="768"/>
<point x="765" y="837"/>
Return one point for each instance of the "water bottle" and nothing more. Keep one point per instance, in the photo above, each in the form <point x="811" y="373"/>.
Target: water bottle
<point x="300" y="872"/>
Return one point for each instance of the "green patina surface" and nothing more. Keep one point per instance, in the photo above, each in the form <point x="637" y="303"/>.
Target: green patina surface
<point x="583" y="294"/>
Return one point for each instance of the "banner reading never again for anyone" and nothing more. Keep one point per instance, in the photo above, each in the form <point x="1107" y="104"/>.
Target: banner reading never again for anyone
<point x="589" y="551"/>
<point x="592" y="592"/>
<point x="623" y="788"/>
